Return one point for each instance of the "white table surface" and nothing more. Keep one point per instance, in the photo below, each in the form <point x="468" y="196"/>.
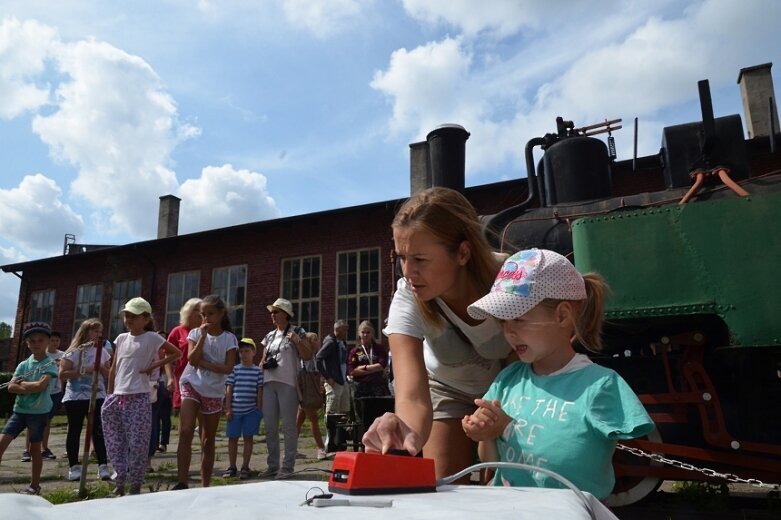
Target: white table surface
<point x="275" y="498"/>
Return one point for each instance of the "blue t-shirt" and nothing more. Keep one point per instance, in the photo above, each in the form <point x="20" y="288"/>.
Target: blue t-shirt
<point x="568" y="423"/>
<point x="40" y="402"/>
<point x="245" y="381"/>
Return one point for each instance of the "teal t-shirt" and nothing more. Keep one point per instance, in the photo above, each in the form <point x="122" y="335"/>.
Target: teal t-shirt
<point x="567" y="423"/>
<point x="40" y="402"/>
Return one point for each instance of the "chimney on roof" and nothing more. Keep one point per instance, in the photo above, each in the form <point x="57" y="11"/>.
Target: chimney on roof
<point x="168" y="218"/>
<point x="756" y="89"/>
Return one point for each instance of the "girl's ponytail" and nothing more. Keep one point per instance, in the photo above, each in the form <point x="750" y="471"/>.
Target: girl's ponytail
<point x="588" y="325"/>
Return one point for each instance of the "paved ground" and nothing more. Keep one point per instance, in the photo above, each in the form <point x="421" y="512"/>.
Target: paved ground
<point x="743" y="503"/>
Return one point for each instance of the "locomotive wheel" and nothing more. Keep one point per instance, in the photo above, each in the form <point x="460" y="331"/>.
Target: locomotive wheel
<point x="631" y="489"/>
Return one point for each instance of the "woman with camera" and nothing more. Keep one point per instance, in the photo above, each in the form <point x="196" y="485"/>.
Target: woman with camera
<point x="285" y="346"/>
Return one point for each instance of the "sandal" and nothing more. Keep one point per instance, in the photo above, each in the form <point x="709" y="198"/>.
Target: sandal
<point x="230" y="472"/>
<point x="244" y="474"/>
<point x="30" y="490"/>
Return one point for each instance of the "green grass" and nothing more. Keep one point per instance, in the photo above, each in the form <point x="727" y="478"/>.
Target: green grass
<point x="66" y="495"/>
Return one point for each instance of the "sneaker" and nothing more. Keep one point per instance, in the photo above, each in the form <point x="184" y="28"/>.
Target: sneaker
<point x="26" y="456"/>
<point x="180" y="486"/>
<point x="244" y="474"/>
<point x="119" y="490"/>
<point x="321" y="454"/>
<point x="268" y="473"/>
<point x="230" y="472"/>
<point x="135" y="489"/>
<point x="30" y="490"/>
<point x="103" y="472"/>
<point x="283" y="473"/>
<point x="47" y="454"/>
<point x="74" y="473"/>
<point x="162" y="448"/>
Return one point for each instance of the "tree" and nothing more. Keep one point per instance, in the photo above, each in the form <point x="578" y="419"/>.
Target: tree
<point x="5" y="330"/>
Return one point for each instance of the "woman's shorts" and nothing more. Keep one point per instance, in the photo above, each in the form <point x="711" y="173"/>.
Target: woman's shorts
<point x="209" y="405"/>
<point x="449" y="403"/>
<point x="244" y="425"/>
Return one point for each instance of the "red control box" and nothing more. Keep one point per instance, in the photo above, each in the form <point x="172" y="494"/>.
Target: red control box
<point x="356" y="473"/>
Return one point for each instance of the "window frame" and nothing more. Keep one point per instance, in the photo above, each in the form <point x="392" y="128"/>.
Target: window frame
<point x="31" y="313"/>
<point x="76" y="321"/>
<point x="232" y="307"/>
<point x="116" y="324"/>
<point x="300" y="301"/>
<point x="175" y="312"/>
<point x="354" y="321"/>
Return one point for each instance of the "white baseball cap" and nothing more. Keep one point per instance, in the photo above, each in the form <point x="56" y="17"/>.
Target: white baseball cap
<point x="527" y="278"/>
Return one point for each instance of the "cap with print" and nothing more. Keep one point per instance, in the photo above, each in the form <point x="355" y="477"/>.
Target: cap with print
<point x="527" y="278"/>
<point x="36" y="326"/>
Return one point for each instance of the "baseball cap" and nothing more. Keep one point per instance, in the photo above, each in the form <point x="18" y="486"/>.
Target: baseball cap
<point x="527" y="278"/>
<point x="249" y="342"/>
<point x="36" y="326"/>
<point x="137" y="306"/>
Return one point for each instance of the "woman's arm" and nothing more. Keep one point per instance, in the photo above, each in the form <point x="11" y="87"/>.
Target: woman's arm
<point x="410" y="426"/>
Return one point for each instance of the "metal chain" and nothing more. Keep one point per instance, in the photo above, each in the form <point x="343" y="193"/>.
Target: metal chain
<point x="729" y="477"/>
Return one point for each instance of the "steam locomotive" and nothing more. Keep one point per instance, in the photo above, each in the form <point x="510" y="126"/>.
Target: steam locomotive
<point x="692" y="254"/>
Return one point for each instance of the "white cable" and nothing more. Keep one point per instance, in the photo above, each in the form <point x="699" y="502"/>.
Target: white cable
<point x="517" y="465"/>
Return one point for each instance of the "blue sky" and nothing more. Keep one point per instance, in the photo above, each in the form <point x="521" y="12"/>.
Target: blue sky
<point x="254" y="110"/>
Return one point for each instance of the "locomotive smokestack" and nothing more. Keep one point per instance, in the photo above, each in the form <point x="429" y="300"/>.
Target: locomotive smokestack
<point x="447" y="156"/>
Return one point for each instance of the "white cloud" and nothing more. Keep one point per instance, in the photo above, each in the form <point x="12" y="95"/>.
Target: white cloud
<point x="224" y="196"/>
<point x="499" y="16"/>
<point x="24" y="48"/>
<point x="323" y="18"/>
<point x="34" y="216"/>
<point x="116" y="123"/>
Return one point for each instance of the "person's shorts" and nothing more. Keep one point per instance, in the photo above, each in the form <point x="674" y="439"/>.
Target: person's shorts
<point x="34" y="422"/>
<point x="244" y="425"/>
<point x="209" y="405"/>
<point x="449" y="403"/>
<point x="56" y="402"/>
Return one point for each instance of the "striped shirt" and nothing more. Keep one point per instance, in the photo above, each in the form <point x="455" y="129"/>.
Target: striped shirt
<point x="245" y="381"/>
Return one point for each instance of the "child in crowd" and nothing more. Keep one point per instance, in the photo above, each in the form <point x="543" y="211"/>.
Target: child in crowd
<point x="55" y="353"/>
<point x="76" y="367"/>
<point x="32" y="382"/>
<point x="556" y="409"/>
<point x="310" y="367"/>
<point x="127" y="411"/>
<point x="211" y="357"/>
<point x="243" y="401"/>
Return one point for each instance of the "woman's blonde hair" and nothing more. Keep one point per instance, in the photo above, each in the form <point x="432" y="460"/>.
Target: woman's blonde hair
<point x="366" y="323"/>
<point x="449" y="216"/>
<point x="589" y="313"/>
<point x="187" y="309"/>
<point x="81" y="335"/>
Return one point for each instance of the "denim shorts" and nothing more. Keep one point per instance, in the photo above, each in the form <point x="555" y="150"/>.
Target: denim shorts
<point x="34" y="422"/>
<point x="244" y="425"/>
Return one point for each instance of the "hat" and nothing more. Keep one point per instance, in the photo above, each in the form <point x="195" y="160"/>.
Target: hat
<point x="283" y="305"/>
<point x="527" y="278"/>
<point x="137" y="306"/>
<point x="248" y="341"/>
<point x="36" y="326"/>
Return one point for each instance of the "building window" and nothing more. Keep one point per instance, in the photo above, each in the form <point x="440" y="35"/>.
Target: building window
<point x="123" y="291"/>
<point x="88" y="303"/>
<point x="230" y="283"/>
<point x="301" y="285"/>
<point x="181" y="287"/>
<point x="42" y="306"/>
<point x="358" y="288"/>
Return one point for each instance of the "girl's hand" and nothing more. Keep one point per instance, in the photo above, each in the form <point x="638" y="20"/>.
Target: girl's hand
<point x="203" y="327"/>
<point x="388" y="432"/>
<point x="169" y="386"/>
<point x="488" y="422"/>
<point x="229" y="414"/>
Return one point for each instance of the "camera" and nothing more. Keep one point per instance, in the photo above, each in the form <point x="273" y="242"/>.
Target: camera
<point x="270" y="363"/>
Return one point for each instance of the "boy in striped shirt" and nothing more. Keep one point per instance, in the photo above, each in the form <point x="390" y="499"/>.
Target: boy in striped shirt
<point x="243" y="402"/>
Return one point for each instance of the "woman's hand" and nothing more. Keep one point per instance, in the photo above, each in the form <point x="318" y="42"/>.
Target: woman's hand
<point x="389" y="432"/>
